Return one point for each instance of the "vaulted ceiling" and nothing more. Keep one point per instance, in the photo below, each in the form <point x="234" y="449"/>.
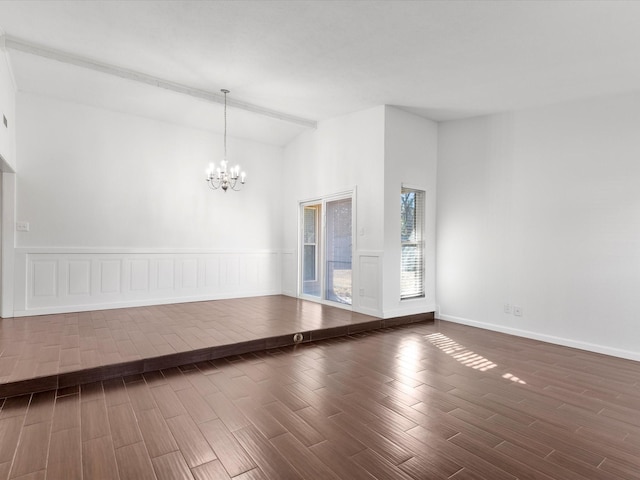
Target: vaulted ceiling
<point x="319" y="59"/>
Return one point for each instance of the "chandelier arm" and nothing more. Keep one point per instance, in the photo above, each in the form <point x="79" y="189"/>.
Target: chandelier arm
<point x="235" y="186"/>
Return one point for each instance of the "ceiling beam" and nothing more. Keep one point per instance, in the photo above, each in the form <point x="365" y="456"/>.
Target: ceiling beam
<point x="27" y="47"/>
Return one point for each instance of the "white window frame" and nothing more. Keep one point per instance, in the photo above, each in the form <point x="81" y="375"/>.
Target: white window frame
<point x="317" y="243"/>
<point x="418" y="243"/>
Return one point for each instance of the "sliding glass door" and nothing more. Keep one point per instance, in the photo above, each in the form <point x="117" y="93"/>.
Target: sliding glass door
<point x="326" y="249"/>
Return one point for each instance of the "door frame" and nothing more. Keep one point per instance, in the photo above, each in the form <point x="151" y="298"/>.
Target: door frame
<point x="320" y="255"/>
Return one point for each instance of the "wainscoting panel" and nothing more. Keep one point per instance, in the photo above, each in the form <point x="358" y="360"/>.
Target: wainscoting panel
<point x="290" y="273"/>
<point x="57" y="281"/>
<point x="189" y="270"/>
<point x="212" y="273"/>
<point x="166" y="273"/>
<point x="79" y="277"/>
<point x="229" y="273"/>
<point x="44" y="275"/>
<point x="139" y="275"/>
<point x="369" y="283"/>
<point x="110" y="276"/>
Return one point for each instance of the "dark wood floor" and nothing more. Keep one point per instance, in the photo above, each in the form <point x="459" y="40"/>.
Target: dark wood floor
<point x="424" y="401"/>
<point x="52" y="351"/>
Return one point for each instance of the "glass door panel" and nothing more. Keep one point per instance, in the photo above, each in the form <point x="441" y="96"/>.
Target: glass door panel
<point x="310" y="249"/>
<point x="338" y="251"/>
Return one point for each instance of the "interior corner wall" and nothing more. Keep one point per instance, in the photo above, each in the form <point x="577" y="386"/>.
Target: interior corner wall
<point x="8" y="112"/>
<point x="7" y="190"/>
<point x="410" y="151"/>
<point x="540" y="209"/>
<point x="119" y="213"/>
<point x="343" y="153"/>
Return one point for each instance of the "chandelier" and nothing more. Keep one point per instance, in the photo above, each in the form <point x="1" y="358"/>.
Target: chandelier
<point x="225" y="177"/>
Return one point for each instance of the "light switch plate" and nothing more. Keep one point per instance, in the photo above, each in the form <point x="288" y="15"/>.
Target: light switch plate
<point x="22" y="226"/>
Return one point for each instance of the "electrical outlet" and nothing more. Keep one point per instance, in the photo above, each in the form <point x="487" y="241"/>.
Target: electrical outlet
<point x="507" y="308"/>
<point x="22" y="226"/>
<point x="517" y="311"/>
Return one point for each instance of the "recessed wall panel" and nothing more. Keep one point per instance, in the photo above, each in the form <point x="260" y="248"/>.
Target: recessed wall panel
<point x="369" y="282"/>
<point x="166" y="273"/>
<point x="289" y="273"/>
<point x="229" y="271"/>
<point x="139" y="275"/>
<point x="44" y="278"/>
<point x="110" y="278"/>
<point x="190" y="273"/>
<point x="212" y="272"/>
<point x="79" y="277"/>
<point x="252" y="269"/>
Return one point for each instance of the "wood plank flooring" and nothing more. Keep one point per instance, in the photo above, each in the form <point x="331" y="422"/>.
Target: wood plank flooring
<point x="423" y="401"/>
<point x="52" y="351"/>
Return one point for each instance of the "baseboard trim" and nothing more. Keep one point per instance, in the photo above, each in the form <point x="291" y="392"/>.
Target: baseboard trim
<point x="135" y="303"/>
<point x="566" y="342"/>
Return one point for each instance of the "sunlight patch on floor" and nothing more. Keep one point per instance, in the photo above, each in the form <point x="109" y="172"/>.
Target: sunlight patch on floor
<point x="513" y="378"/>
<point x="465" y="356"/>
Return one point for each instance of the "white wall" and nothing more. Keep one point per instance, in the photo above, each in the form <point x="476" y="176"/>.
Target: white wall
<point x="541" y="209"/>
<point x="342" y="153"/>
<point x="95" y="178"/>
<point x="411" y="149"/>
<point x="120" y="214"/>
<point x="7" y="194"/>
<point x="8" y="110"/>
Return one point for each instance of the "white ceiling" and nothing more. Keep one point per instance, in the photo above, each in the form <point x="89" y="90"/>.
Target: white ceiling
<point x="320" y="59"/>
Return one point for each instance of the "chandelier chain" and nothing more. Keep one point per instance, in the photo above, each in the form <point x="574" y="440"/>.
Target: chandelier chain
<point x="225" y="123"/>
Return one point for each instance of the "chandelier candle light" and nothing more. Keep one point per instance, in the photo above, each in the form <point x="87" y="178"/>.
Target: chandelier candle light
<point x="225" y="177"/>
